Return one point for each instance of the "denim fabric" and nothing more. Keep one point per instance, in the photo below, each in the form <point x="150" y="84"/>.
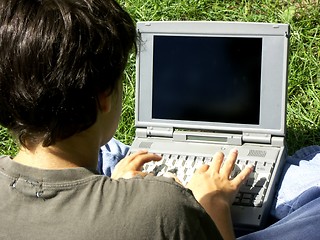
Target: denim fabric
<point x="302" y="223"/>
<point x="301" y="172"/>
<point x="109" y="155"/>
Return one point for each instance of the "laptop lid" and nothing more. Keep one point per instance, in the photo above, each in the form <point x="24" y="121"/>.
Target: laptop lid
<point x="212" y="76"/>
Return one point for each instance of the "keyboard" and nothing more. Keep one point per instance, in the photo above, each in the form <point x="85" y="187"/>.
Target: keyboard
<point x="251" y="193"/>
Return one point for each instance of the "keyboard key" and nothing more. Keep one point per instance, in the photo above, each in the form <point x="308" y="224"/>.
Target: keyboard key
<point x="207" y="160"/>
<point x="246" y="201"/>
<point x="257" y="201"/>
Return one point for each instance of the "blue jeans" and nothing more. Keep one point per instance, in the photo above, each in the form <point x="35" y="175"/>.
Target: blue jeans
<point x="109" y="155"/>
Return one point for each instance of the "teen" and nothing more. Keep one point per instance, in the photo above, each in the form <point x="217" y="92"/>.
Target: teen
<point x="61" y="64"/>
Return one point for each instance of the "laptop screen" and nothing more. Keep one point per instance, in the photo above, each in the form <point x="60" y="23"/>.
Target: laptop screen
<point x="212" y="76"/>
<point x="213" y="79"/>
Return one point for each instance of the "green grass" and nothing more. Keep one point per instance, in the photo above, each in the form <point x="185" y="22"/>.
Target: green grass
<point x="303" y="107"/>
<point x="7" y="145"/>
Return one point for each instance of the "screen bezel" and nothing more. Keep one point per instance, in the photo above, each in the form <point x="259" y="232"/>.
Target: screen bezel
<point x="273" y="73"/>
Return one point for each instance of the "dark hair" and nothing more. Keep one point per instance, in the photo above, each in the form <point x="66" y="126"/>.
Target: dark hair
<point x="56" y="56"/>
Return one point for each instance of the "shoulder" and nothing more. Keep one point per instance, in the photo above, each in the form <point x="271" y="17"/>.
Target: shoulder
<point x="169" y="203"/>
<point x="165" y="191"/>
<point x="4" y="157"/>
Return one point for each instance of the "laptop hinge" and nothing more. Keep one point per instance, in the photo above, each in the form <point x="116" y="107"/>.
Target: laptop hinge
<point x="154" y="132"/>
<point x="209" y="137"/>
<point x="278" y="141"/>
<point x="257" y="138"/>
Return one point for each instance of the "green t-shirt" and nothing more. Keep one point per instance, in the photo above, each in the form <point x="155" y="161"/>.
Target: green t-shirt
<point x="78" y="204"/>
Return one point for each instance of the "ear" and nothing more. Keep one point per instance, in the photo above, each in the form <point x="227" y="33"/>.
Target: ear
<point x="105" y="101"/>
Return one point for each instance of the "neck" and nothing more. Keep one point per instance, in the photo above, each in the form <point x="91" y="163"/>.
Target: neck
<point x="78" y="151"/>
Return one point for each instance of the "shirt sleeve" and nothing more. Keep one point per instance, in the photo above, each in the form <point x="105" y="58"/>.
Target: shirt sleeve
<point x="178" y="213"/>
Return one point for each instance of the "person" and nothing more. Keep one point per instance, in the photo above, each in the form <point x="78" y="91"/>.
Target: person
<point x="61" y="65"/>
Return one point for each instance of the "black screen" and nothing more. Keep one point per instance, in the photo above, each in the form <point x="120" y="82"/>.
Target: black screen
<point x="214" y="79"/>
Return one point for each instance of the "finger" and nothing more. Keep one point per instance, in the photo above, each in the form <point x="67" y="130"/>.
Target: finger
<point x="228" y="165"/>
<point x="243" y="175"/>
<point x="172" y="175"/>
<point x="217" y="162"/>
<point x="202" y="168"/>
<point x="138" y="161"/>
<point x="125" y="161"/>
<point x="135" y="154"/>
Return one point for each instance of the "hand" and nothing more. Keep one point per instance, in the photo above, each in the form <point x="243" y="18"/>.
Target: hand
<point x="215" y="191"/>
<point x="214" y="181"/>
<point x="131" y="165"/>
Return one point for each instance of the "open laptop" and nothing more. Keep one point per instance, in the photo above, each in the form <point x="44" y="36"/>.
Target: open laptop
<point x="203" y="87"/>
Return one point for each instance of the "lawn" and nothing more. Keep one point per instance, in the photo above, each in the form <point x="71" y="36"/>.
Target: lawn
<point x="304" y="76"/>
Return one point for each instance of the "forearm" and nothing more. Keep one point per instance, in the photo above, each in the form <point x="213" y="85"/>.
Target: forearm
<point x="215" y="191"/>
<point x="221" y="215"/>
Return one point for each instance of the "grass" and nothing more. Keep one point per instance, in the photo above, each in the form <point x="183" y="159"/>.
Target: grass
<point x="303" y="109"/>
<point x="7" y="144"/>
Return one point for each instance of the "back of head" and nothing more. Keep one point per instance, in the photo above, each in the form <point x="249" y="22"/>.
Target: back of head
<point x="56" y="56"/>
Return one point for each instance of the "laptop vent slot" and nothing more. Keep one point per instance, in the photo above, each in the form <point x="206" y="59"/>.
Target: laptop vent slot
<point x="257" y="153"/>
<point x="145" y="144"/>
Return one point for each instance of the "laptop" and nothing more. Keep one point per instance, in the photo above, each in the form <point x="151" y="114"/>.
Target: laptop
<point x="203" y="87"/>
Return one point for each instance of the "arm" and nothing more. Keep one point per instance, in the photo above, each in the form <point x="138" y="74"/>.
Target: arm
<point x="215" y="191"/>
